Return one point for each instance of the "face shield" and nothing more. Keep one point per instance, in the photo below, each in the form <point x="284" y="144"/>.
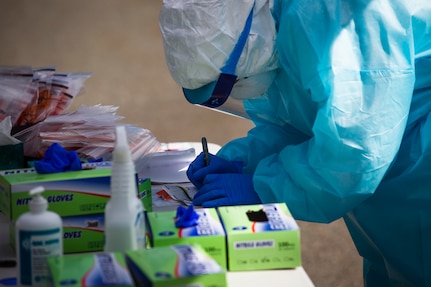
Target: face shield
<point x="249" y="66"/>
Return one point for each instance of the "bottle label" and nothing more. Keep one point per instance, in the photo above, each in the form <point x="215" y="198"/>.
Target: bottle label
<point x="34" y="248"/>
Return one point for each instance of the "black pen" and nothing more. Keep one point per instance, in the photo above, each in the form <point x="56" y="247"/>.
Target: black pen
<point x="205" y="151"/>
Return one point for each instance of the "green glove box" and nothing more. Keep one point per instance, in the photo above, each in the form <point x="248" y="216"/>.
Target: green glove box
<point x="208" y="232"/>
<point x="259" y="237"/>
<point x="176" y="265"/>
<point x="89" y="269"/>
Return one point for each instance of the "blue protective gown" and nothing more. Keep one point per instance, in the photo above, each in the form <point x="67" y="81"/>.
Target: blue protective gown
<point x="345" y="130"/>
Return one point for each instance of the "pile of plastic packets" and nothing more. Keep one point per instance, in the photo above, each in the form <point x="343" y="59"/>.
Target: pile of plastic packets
<point x="36" y="102"/>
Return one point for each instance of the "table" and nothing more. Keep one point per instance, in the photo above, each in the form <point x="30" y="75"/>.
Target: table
<point x="296" y="277"/>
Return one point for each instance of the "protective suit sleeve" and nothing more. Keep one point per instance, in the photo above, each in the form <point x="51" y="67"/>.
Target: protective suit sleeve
<point x="356" y="64"/>
<point x="261" y="141"/>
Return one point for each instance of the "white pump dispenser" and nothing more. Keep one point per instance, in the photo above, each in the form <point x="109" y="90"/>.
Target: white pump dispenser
<point x="124" y="212"/>
<point x="39" y="234"/>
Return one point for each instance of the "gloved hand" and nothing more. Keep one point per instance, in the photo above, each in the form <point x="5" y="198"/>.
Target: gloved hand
<point x="226" y="189"/>
<point x="198" y="169"/>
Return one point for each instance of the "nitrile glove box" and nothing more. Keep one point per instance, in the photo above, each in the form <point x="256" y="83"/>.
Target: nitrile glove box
<point x="208" y="232"/>
<point x="89" y="269"/>
<point x="68" y="193"/>
<point x="175" y="265"/>
<point x="82" y="233"/>
<point x="260" y="237"/>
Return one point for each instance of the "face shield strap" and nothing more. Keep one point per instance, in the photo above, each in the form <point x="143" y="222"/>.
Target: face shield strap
<point x="231" y="63"/>
<point x="227" y="77"/>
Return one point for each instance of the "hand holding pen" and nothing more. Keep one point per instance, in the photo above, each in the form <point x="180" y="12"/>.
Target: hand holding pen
<point x="207" y="163"/>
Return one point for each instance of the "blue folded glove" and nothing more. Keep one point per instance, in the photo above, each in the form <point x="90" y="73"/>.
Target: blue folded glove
<point x="227" y="189"/>
<point x="57" y="159"/>
<point x="198" y="169"/>
<point x="186" y="217"/>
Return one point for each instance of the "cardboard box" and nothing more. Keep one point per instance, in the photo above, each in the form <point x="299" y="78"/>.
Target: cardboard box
<point x="68" y="193"/>
<point x="208" y="232"/>
<point x="175" y="265"/>
<point x="79" y="197"/>
<point x="145" y="194"/>
<point x="83" y="233"/>
<point x="260" y="237"/>
<point x="90" y="269"/>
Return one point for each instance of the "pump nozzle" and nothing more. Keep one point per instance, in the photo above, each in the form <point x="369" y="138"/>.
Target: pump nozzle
<point x="37" y="190"/>
<point x="121" y="151"/>
<point x="38" y="203"/>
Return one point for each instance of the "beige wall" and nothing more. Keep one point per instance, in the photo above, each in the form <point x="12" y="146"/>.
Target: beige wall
<point x="120" y="43"/>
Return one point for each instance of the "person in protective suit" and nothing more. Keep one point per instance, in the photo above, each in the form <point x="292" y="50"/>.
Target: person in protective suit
<point x="340" y="95"/>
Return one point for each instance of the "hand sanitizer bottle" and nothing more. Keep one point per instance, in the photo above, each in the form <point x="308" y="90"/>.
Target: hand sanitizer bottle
<point x="39" y="234"/>
<point x="124" y="212"/>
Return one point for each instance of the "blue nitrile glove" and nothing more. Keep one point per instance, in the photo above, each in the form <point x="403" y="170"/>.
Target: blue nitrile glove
<point x="186" y="217"/>
<point x="57" y="159"/>
<point x="198" y="169"/>
<point x="11" y="281"/>
<point x="227" y="189"/>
